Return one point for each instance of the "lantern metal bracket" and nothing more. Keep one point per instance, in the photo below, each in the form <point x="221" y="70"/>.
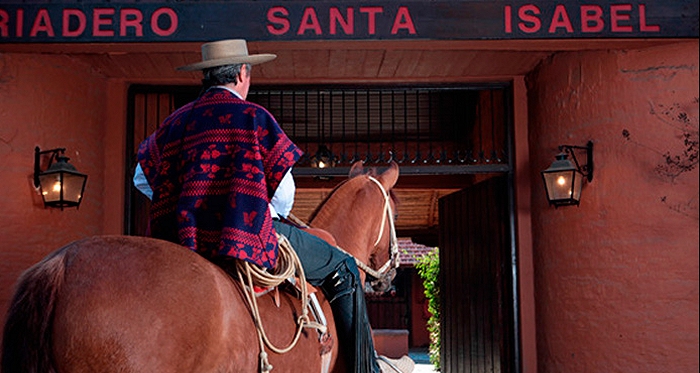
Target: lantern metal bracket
<point x="587" y="168"/>
<point x="37" y="161"/>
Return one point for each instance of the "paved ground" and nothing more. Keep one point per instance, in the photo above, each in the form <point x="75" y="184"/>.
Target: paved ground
<point x="424" y="368"/>
<point x="420" y="356"/>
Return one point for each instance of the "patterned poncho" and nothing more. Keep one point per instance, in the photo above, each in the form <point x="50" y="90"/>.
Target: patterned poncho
<point x="214" y="165"/>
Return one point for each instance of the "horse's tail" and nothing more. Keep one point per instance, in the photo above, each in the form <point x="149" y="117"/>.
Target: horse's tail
<point x="26" y="340"/>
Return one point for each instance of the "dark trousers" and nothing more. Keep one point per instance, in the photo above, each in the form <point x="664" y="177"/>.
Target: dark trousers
<point x="337" y="275"/>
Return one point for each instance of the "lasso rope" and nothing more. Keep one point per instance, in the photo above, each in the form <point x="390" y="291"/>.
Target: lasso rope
<point x="288" y="265"/>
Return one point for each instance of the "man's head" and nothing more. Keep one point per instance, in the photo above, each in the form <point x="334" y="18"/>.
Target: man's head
<point x="228" y="62"/>
<point x="237" y="74"/>
<point x="227" y="52"/>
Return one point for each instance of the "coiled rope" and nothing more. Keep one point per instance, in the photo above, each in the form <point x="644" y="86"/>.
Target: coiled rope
<point x="288" y="265"/>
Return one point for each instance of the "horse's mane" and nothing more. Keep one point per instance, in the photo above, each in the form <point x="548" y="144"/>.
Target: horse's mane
<point x="369" y="172"/>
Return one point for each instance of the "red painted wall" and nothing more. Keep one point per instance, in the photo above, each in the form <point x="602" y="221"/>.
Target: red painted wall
<point x="616" y="279"/>
<point x="48" y="101"/>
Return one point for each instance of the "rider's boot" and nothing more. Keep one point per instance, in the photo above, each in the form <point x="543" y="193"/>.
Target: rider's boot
<point x="343" y="290"/>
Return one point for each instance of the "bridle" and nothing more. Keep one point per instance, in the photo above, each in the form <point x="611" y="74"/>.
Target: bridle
<point x="393" y="261"/>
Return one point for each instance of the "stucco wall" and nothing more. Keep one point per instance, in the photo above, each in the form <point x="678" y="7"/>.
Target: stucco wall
<point x="48" y="101"/>
<point x="616" y="279"/>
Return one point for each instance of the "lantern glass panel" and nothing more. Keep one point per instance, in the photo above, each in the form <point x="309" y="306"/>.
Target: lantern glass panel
<point x="73" y="187"/>
<point x="563" y="187"/>
<point x="577" y="186"/>
<point x="51" y="187"/>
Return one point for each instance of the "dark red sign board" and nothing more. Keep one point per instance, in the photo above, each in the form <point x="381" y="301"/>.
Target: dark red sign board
<point x="178" y="21"/>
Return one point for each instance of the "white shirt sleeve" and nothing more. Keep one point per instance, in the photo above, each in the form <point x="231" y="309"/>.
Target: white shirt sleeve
<point x="141" y="183"/>
<point x="283" y="200"/>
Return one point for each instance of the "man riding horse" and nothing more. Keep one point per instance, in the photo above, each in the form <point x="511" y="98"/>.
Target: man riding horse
<point x="218" y="171"/>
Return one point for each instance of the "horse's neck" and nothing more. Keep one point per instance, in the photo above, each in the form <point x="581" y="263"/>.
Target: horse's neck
<point x="347" y="234"/>
<point x="349" y="216"/>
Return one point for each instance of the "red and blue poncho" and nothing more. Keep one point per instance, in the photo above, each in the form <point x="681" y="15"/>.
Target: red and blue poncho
<point x="214" y="165"/>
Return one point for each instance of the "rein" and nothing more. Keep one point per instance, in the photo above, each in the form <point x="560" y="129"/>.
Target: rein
<point x="393" y="261"/>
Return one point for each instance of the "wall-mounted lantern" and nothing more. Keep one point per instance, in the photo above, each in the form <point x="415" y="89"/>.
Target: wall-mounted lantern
<point x="60" y="185"/>
<point x="563" y="180"/>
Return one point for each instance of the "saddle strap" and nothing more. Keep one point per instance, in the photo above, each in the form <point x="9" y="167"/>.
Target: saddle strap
<point x="323" y="336"/>
<point x="317" y="310"/>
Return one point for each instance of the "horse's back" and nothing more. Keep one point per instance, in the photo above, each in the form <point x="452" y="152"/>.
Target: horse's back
<point x="134" y="304"/>
<point x="139" y="304"/>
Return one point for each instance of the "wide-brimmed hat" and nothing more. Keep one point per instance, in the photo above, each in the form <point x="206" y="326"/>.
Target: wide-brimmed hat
<point x="227" y="52"/>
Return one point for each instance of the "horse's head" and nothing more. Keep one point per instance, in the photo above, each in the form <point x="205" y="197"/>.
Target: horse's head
<point x="360" y="214"/>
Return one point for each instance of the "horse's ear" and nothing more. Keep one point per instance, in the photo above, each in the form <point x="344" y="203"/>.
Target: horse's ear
<point x="356" y="169"/>
<point x="389" y="177"/>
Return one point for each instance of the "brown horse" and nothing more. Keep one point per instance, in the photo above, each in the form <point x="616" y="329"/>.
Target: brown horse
<point x="134" y="304"/>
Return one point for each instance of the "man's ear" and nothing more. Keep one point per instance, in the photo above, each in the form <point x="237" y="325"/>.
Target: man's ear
<point x="242" y="73"/>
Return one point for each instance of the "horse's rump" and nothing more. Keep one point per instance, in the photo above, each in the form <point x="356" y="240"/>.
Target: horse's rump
<point x="143" y="305"/>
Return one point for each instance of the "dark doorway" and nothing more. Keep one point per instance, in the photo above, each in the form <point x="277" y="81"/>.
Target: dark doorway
<point x="477" y="321"/>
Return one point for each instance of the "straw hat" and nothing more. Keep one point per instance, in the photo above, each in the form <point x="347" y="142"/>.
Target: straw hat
<point x="227" y="52"/>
